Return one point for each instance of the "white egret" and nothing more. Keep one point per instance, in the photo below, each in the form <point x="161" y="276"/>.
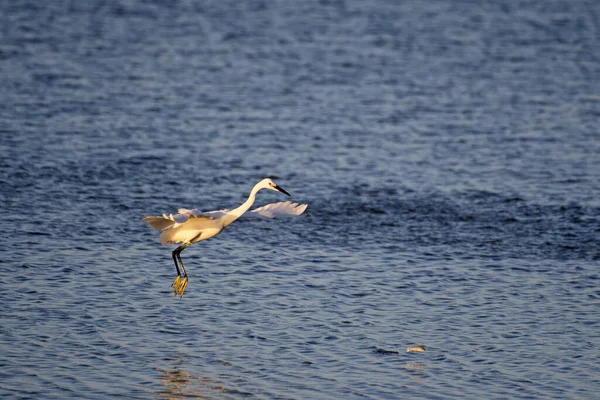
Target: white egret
<point x="191" y="226"/>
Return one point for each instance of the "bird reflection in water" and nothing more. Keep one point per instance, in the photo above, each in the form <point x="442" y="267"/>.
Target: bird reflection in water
<point x="415" y="366"/>
<point x="417" y="370"/>
<point x="180" y="384"/>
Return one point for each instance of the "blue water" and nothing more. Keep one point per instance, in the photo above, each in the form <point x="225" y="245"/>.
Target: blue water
<point x="449" y="152"/>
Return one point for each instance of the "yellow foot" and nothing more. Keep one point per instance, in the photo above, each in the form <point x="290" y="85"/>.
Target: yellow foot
<point x="182" y="286"/>
<point x="176" y="284"/>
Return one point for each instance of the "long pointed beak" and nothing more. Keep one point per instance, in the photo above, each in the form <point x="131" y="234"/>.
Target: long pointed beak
<point x="281" y="190"/>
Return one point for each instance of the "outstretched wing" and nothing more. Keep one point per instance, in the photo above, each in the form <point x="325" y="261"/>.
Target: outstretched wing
<point x="277" y="210"/>
<point x="273" y="210"/>
<point x="183" y="215"/>
<point x="215" y="214"/>
<point x="268" y="211"/>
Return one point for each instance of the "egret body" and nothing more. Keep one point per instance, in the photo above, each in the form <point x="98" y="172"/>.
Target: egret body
<point x="192" y="226"/>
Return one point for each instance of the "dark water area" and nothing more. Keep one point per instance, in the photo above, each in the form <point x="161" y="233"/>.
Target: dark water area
<point x="449" y="153"/>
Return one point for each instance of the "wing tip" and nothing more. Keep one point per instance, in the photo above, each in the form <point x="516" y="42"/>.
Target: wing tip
<point x="158" y="222"/>
<point x="301" y="208"/>
<point x="280" y="209"/>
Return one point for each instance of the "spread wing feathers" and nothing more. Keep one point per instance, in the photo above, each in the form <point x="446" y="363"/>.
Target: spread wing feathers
<point x="268" y="211"/>
<point x="215" y="214"/>
<point x="174" y="221"/>
<point x="168" y="224"/>
<point x="159" y="223"/>
<point x="277" y="210"/>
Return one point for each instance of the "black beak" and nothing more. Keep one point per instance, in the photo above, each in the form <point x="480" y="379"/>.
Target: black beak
<point x="281" y="190"/>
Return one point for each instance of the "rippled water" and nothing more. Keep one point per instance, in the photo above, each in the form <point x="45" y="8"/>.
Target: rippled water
<point x="449" y="153"/>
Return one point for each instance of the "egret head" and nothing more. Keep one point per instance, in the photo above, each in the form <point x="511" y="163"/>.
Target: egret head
<point x="269" y="184"/>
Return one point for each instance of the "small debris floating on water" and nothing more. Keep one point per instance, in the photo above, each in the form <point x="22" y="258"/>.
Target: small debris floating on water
<point x="415" y="348"/>
<point x="384" y="351"/>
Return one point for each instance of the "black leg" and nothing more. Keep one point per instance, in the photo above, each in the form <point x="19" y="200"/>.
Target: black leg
<point x="175" y="254"/>
<point x="180" y="284"/>
<point x="181" y="263"/>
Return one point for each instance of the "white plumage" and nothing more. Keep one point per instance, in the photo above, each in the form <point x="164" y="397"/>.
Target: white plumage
<point x="191" y="226"/>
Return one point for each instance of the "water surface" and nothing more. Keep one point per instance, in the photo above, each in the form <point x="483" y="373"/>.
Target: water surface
<point x="449" y="153"/>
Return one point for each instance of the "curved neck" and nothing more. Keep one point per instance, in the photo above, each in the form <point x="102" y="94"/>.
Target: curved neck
<point x="238" y="212"/>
